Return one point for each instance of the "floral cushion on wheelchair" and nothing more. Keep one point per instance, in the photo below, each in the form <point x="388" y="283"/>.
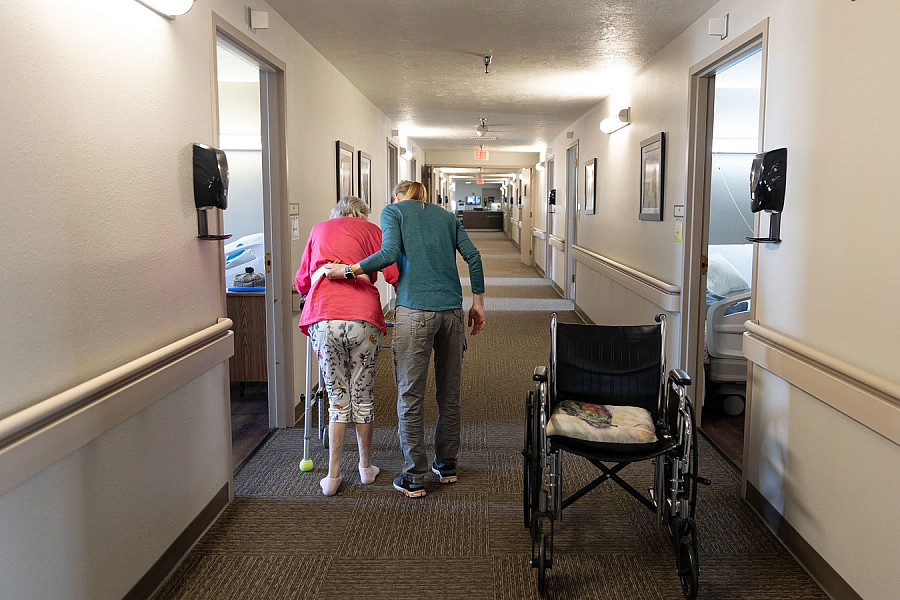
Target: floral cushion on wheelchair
<point x="601" y="424"/>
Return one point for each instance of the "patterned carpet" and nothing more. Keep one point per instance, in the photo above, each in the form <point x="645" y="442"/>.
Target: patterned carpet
<point x="282" y="539"/>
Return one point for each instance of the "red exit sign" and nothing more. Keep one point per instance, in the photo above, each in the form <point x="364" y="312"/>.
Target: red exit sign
<point x="481" y="155"/>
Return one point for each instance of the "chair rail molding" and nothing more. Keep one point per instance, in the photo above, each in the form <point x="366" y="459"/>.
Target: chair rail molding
<point x="34" y="438"/>
<point x="557" y="242"/>
<point x="870" y="400"/>
<point x="665" y="295"/>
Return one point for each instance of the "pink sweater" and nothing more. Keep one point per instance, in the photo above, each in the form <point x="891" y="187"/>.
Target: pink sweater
<point x="348" y="240"/>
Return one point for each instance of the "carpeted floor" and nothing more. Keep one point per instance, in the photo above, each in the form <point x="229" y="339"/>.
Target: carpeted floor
<point x="282" y="539"/>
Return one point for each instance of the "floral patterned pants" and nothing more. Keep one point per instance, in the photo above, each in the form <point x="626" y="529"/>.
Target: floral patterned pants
<point x="348" y="356"/>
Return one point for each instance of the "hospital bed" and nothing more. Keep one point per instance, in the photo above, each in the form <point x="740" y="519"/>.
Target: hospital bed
<point x="727" y="308"/>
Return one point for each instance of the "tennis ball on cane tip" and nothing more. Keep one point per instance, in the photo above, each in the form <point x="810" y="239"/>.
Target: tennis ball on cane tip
<point x="306" y="465"/>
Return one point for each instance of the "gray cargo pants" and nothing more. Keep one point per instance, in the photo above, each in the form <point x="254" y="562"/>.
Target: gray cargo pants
<point x="416" y="334"/>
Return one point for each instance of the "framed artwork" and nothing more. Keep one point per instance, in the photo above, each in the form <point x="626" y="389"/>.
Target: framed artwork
<point x="364" y="170"/>
<point x="653" y="168"/>
<point x="590" y="186"/>
<point x="344" y="169"/>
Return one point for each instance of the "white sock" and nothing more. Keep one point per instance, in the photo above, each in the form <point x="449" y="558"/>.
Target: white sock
<point x="330" y="485"/>
<point x="368" y="474"/>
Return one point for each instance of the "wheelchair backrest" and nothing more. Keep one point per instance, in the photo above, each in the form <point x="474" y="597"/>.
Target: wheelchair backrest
<point x="608" y="364"/>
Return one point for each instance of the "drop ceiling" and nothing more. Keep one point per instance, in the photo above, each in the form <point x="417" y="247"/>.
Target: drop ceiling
<point x="421" y="61"/>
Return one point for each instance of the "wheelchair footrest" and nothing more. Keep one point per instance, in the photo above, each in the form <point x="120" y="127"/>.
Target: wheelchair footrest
<point x="698" y="479"/>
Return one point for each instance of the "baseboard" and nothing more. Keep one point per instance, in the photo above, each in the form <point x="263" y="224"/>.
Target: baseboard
<point x="540" y="271"/>
<point x="172" y="557"/>
<point x="583" y="315"/>
<point x="823" y="573"/>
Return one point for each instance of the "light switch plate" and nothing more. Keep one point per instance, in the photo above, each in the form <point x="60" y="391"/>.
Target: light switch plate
<point x="295" y="208"/>
<point x="679" y="210"/>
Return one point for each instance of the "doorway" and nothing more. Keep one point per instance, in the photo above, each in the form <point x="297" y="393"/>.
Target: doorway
<point x="248" y="123"/>
<point x="393" y="170"/>
<point x="571" y="216"/>
<point x="727" y="100"/>
<point x="549" y="215"/>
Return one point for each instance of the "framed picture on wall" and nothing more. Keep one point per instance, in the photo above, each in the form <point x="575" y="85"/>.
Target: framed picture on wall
<point x="590" y="186"/>
<point x="344" y="169"/>
<point x="653" y="168"/>
<point x="364" y="169"/>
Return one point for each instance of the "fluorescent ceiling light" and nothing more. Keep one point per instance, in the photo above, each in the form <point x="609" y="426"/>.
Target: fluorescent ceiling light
<point x="168" y="8"/>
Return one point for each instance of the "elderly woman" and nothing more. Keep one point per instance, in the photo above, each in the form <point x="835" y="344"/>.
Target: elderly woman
<point x="345" y="323"/>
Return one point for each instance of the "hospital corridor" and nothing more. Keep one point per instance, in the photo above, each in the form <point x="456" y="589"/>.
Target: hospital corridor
<point x="233" y="229"/>
<point x="466" y="540"/>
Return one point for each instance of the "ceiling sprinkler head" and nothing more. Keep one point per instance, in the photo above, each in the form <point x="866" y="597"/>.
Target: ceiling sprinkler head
<point x="487" y="61"/>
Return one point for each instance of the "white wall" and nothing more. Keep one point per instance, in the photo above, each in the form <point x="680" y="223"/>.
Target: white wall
<point x="239" y="120"/>
<point x="101" y="108"/>
<point x="831" y="284"/>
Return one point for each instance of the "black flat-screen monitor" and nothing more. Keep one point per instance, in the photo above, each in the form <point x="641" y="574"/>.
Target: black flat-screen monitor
<point x="473" y="199"/>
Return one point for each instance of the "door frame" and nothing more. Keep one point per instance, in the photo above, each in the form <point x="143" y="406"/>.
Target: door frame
<point x="392" y="148"/>
<point x="571" y="229"/>
<point x="279" y="338"/>
<point x="549" y="181"/>
<point x="696" y="230"/>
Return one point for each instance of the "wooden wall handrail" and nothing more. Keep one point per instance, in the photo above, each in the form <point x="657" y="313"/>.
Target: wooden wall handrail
<point x="863" y="396"/>
<point x="665" y="295"/>
<point x="34" y="438"/>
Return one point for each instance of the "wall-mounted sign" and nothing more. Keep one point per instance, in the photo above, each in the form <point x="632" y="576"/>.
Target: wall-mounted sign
<point x="481" y="155"/>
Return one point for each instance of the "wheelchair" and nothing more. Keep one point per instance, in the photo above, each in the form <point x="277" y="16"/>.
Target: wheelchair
<point x="591" y="400"/>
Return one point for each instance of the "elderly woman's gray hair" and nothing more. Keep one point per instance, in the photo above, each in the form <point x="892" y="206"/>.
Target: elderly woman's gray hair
<point x="350" y="206"/>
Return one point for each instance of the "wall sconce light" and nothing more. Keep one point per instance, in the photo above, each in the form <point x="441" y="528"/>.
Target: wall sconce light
<point x="617" y="122"/>
<point x="539" y="166"/>
<point x="168" y="8"/>
<point x="404" y="153"/>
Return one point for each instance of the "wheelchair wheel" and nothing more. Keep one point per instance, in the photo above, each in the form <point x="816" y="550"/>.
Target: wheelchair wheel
<point x="542" y="564"/>
<point x="687" y="559"/>
<point x="526" y="460"/>
<point x="535" y="474"/>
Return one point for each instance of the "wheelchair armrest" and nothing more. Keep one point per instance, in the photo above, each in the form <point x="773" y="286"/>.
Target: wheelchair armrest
<point x="679" y="377"/>
<point x="540" y="374"/>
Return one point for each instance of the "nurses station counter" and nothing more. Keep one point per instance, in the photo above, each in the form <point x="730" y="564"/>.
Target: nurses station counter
<point x="482" y="220"/>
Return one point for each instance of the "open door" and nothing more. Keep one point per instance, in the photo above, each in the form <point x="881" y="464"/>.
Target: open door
<point x="256" y="280"/>
<point x="727" y="108"/>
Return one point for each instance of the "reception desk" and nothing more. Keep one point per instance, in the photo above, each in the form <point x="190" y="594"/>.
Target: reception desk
<point x="482" y="220"/>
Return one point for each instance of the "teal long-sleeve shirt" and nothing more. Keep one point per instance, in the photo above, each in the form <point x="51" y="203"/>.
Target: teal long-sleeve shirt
<point x="423" y="240"/>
